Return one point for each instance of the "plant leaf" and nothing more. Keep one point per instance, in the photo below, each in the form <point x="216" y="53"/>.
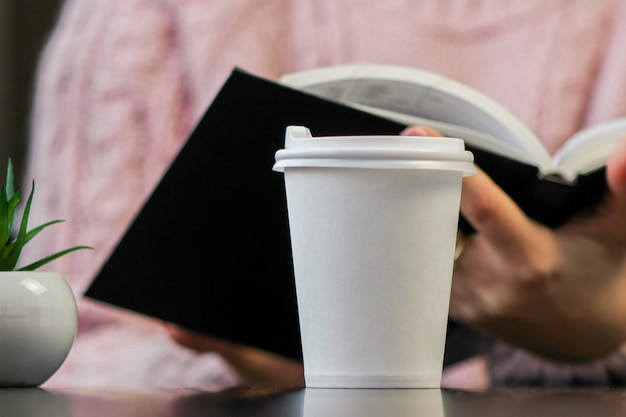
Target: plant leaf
<point x="5" y="220"/>
<point x="11" y="249"/>
<point x="47" y="259"/>
<point x="12" y="205"/>
<point x="12" y="256"/>
<point x="35" y="231"/>
<point x="10" y="188"/>
<point x="7" y="249"/>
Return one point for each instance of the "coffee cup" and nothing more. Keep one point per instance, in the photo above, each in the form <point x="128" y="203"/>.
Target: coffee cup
<point x="373" y="223"/>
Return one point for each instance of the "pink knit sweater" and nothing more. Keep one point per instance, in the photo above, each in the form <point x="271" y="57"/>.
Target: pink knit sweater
<point x="122" y="82"/>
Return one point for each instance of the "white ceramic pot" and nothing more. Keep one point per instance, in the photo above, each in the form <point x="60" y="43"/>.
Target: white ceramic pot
<point x="38" y="322"/>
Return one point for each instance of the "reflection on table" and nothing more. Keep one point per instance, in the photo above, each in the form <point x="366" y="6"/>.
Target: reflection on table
<point x="275" y="402"/>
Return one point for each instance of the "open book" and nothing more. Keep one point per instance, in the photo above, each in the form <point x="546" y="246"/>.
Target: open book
<point x="416" y="97"/>
<point x="210" y="248"/>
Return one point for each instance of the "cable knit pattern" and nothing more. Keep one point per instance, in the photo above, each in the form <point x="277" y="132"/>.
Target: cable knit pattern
<point x="512" y="367"/>
<point x="122" y="82"/>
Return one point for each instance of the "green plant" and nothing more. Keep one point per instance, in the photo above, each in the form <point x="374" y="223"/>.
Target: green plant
<point x="10" y="246"/>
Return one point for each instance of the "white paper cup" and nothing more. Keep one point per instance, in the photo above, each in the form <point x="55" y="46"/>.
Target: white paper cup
<point x="373" y="222"/>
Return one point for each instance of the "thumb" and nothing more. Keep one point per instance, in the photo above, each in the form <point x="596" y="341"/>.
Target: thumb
<point x="616" y="172"/>
<point x="420" y="131"/>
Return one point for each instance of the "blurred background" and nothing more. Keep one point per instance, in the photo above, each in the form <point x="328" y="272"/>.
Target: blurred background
<point x="24" y="27"/>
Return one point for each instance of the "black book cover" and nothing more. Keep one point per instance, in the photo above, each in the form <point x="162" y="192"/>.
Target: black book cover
<point x="210" y="248"/>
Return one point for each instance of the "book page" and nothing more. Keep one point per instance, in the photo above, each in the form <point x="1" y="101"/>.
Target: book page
<point x="473" y="137"/>
<point x="427" y="96"/>
<point x="590" y="148"/>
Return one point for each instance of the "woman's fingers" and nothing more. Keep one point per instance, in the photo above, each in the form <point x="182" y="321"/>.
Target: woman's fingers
<point x="255" y="366"/>
<point x="488" y="209"/>
<point x="420" y="131"/>
<point x="616" y="172"/>
<point x="496" y="217"/>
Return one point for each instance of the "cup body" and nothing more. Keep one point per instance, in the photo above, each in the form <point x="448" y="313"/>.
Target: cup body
<point x="373" y="253"/>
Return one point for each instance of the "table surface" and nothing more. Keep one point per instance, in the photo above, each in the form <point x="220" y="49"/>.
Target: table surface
<point x="275" y="402"/>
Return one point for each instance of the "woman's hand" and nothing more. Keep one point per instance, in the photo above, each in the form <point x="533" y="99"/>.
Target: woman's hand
<point x="254" y="366"/>
<point x="560" y="293"/>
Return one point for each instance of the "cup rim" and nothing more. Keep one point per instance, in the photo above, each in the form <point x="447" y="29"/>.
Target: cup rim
<point x="373" y="152"/>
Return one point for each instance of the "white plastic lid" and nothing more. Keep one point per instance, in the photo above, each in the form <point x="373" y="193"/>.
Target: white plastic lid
<point x="373" y="152"/>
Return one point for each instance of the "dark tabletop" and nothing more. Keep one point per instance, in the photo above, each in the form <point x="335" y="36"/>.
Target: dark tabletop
<point x="310" y="403"/>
